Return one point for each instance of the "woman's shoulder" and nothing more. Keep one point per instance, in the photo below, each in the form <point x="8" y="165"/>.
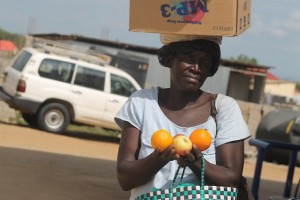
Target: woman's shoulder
<point x="225" y="101"/>
<point x="145" y="92"/>
<point x="222" y="98"/>
<point x="144" y="95"/>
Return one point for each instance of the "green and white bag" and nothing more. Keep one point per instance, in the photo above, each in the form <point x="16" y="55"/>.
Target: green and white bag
<point x="186" y="191"/>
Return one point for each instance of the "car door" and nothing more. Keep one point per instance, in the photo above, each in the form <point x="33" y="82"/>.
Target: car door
<point x="90" y="100"/>
<point x="120" y="89"/>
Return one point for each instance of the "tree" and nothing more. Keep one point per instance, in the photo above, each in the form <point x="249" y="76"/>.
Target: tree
<point x="244" y="58"/>
<point x="298" y="86"/>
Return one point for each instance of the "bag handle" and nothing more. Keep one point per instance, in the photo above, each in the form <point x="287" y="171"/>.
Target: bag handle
<point x="214" y="111"/>
<point x="174" y="180"/>
<point x="202" y="171"/>
<point x="175" y="177"/>
<point x="202" y="178"/>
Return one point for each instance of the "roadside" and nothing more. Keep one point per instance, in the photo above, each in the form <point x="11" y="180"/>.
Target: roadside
<point x="38" y="165"/>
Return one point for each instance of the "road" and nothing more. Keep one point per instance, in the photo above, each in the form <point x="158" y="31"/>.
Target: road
<point x="37" y="165"/>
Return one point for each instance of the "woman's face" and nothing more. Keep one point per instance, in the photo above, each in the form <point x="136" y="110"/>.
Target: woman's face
<point x="189" y="71"/>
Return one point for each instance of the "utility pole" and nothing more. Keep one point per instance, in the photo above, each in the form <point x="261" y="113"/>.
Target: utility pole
<point x="104" y="33"/>
<point x="31" y="26"/>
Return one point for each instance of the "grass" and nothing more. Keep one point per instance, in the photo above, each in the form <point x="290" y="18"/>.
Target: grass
<point x="94" y="130"/>
<point x="74" y="128"/>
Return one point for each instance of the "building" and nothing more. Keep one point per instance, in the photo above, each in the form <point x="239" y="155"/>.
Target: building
<point x="241" y="81"/>
<point x="279" y="91"/>
<point x="279" y="87"/>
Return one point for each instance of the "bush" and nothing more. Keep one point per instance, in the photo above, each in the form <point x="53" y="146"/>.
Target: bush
<point x="17" y="39"/>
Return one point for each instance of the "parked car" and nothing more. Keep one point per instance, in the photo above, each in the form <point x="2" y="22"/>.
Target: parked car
<point x="53" y="91"/>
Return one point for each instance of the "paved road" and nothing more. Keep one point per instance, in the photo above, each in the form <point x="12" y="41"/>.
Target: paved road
<point x="34" y="175"/>
<point x="36" y="165"/>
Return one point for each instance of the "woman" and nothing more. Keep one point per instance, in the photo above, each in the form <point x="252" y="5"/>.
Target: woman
<point x="181" y="108"/>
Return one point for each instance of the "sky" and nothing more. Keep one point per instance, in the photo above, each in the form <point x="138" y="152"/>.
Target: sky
<point x="273" y="38"/>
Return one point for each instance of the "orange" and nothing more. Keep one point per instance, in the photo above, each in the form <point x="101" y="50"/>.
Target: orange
<point x="201" y="138"/>
<point x="161" y="139"/>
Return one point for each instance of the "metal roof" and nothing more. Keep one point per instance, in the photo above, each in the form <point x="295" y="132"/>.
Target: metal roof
<point x="143" y="49"/>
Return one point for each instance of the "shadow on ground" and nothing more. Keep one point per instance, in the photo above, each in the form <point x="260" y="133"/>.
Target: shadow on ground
<point x="269" y="188"/>
<point x="38" y="175"/>
<point x="77" y="134"/>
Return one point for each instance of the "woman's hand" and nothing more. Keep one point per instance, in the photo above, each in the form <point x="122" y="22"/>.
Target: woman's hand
<point x="167" y="155"/>
<point x="190" y="158"/>
<point x="130" y="169"/>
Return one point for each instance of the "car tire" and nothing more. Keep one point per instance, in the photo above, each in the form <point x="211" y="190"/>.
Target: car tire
<point x="53" y="117"/>
<point x="30" y="119"/>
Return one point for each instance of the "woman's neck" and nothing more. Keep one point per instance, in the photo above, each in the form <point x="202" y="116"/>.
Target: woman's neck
<point x="176" y="99"/>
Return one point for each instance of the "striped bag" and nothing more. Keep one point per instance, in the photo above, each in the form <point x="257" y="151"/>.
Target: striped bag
<point x="186" y="191"/>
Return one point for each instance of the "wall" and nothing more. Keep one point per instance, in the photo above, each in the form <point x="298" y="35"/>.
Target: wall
<point x="253" y="114"/>
<point x="282" y="88"/>
<point x="219" y="82"/>
<point x="238" y="86"/>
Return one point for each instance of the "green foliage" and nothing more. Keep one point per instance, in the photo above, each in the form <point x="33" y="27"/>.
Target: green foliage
<point x="17" y="39"/>
<point x="94" y="130"/>
<point x="244" y="58"/>
<point x="298" y="86"/>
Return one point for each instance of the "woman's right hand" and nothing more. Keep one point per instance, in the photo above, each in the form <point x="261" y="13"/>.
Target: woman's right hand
<point x="167" y="155"/>
<point x="131" y="169"/>
<point x="190" y="158"/>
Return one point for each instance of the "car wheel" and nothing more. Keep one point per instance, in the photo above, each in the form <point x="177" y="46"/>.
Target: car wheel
<point x="53" y="117"/>
<point x="30" y="119"/>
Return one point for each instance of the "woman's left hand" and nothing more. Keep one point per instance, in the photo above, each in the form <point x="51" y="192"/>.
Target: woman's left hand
<point x="190" y="157"/>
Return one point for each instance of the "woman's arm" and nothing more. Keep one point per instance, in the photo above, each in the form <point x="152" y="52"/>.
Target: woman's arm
<point x="132" y="172"/>
<point x="228" y="168"/>
<point x="229" y="165"/>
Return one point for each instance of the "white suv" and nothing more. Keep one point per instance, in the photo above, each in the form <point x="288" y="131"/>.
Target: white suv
<point x="53" y="91"/>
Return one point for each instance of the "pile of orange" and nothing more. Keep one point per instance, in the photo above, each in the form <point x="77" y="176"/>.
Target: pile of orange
<point x="162" y="138"/>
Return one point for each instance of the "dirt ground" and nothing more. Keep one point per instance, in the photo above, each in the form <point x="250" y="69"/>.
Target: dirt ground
<point x="37" y="165"/>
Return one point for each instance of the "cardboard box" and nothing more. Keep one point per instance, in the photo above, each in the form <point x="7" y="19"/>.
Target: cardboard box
<point x="196" y="17"/>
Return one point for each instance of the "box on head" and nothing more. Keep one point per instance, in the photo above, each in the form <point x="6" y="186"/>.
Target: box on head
<point x="192" y="17"/>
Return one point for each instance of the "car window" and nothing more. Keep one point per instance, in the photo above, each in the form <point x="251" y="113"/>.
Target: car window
<point x="121" y="86"/>
<point x="21" y="61"/>
<point x="57" y="70"/>
<point x="90" y="78"/>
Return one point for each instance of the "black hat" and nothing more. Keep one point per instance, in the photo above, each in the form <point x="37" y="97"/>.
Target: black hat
<point x="176" y="44"/>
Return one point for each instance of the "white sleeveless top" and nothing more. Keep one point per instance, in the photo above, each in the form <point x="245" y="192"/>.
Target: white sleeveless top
<point x="143" y="112"/>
